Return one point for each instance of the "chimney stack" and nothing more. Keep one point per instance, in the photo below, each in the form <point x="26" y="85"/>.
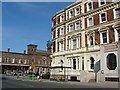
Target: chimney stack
<point x="8" y="49"/>
<point x="24" y="51"/>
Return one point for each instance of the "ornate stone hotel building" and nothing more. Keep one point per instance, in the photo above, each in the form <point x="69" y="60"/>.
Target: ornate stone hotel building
<point x="86" y="39"/>
<point x="31" y="61"/>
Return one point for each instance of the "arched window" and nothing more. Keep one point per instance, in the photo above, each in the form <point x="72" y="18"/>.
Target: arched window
<point x="92" y="62"/>
<point x="111" y="61"/>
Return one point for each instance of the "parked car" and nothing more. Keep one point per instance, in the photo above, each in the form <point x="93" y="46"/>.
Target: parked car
<point x="18" y="74"/>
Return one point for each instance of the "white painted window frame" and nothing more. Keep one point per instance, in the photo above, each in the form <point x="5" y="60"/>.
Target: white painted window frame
<point x="101" y="38"/>
<point x="6" y="59"/>
<point x="76" y="26"/>
<point x="115" y="13"/>
<point x="61" y="19"/>
<point x="88" y="25"/>
<point x="76" y="11"/>
<point x="70" y="15"/>
<point x="101" y="17"/>
<point x="0" y="59"/>
<point x="62" y="46"/>
<point x="13" y="60"/>
<point x="74" y="43"/>
<point x="88" y="6"/>
<point x="70" y="30"/>
<point x="100" y="3"/>
<point x="19" y="61"/>
<point x="61" y="31"/>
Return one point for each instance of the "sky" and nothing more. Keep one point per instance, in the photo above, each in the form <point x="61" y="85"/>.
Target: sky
<point x="26" y="23"/>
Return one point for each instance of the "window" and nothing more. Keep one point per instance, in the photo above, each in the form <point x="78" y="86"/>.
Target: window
<point x="77" y="26"/>
<point x="104" y="36"/>
<point x="103" y="17"/>
<point x="74" y="43"/>
<point x="0" y="59"/>
<point x="78" y="63"/>
<point x="13" y="60"/>
<point x="118" y="35"/>
<point x="62" y="46"/>
<point x="111" y="61"/>
<point x="90" y="38"/>
<point x="71" y="14"/>
<point x="92" y="62"/>
<point x="71" y="28"/>
<point x="61" y="18"/>
<point x="6" y="59"/>
<point x="25" y="62"/>
<point x="19" y="61"/>
<point x="102" y="2"/>
<point x="77" y="11"/>
<point x="44" y="62"/>
<point x="89" y="6"/>
<point x="117" y="12"/>
<point x="90" y="22"/>
<point x="61" y="61"/>
<point x="82" y="63"/>
<point x="61" y="31"/>
<point x="74" y="63"/>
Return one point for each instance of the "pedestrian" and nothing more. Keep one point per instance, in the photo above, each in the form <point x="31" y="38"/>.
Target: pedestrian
<point x="37" y="75"/>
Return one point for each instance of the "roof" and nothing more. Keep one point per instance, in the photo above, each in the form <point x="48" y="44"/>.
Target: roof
<point x="13" y="53"/>
<point x="31" y="45"/>
<point x="42" y="51"/>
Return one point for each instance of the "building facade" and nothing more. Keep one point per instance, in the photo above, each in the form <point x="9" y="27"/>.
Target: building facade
<point x="33" y="61"/>
<point x="80" y="34"/>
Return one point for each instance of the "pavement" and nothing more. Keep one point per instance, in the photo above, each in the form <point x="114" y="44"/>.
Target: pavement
<point x="71" y="83"/>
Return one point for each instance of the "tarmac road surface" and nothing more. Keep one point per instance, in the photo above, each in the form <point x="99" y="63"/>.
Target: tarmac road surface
<point x="13" y="83"/>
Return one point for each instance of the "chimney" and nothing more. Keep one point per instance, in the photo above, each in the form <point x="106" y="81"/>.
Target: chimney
<point x="8" y="49"/>
<point x="24" y="51"/>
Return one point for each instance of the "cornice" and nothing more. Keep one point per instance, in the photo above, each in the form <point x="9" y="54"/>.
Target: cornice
<point x="68" y="53"/>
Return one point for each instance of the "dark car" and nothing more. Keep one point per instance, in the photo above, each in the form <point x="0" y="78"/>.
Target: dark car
<point x="18" y="74"/>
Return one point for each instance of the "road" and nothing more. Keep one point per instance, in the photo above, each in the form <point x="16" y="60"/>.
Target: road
<point x="13" y="83"/>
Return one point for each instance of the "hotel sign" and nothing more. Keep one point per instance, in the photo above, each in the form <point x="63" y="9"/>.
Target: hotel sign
<point x="111" y="47"/>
